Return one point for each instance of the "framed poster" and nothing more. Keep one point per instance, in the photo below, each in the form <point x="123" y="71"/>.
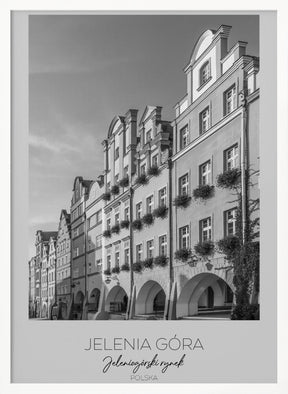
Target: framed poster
<point x="150" y="218"/>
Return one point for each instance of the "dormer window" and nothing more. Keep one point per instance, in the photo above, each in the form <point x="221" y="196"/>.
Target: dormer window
<point x="204" y="73"/>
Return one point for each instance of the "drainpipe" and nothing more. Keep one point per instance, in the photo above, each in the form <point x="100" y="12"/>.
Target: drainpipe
<point x="171" y="273"/>
<point x="131" y="191"/>
<point x="244" y="162"/>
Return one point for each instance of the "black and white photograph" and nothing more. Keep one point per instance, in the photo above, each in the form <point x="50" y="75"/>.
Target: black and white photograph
<point x="144" y="167"/>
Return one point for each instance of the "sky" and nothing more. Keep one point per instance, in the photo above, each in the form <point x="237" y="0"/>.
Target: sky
<point x="84" y="70"/>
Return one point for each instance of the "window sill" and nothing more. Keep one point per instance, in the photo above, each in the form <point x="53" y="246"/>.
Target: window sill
<point x="203" y="84"/>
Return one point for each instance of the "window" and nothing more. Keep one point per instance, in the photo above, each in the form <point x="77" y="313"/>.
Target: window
<point x="184" y="137"/>
<point x="116" y="179"/>
<point x="204" y="120"/>
<point x="184" y="237"/>
<point x="183" y="185"/>
<point x="92" y="221"/>
<point x="150" y="248"/>
<point x="163" y="196"/>
<point x="230" y="222"/>
<point x="143" y="169"/>
<point x="163" y="245"/>
<point x="126" y="255"/>
<point x="125" y="172"/>
<point x="98" y="265"/>
<point x="149" y="204"/>
<point x="138" y="210"/>
<point x="138" y="252"/>
<point x="108" y="262"/>
<point x="75" y="233"/>
<point x="204" y="73"/>
<point x="154" y="161"/>
<point x="108" y="224"/>
<point x="205" y="229"/>
<point x="229" y="100"/>
<point x="231" y="158"/>
<point x="116" y="153"/>
<point x="117" y="218"/>
<point x="205" y="173"/>
<point x="76" y="252"/>
<point x="117" y="259"/>
<point x="149" y="135"/>
<point x="126" y="213"/>
<point x="98" y="241"/>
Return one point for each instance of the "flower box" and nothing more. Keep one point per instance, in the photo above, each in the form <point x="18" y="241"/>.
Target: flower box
<point x="205" y="248"/>
<point x="137" y="267"/>
<point x="141" y="179"/>
<point x="106" y="233"/>
<point x="137" y="224"/>
<point x="229" y="179"/>
<point x="106" y="196"/>
<point x="228" y="245"/>
<point x="107" y="271"/>
<point x="115" y="270"/>
<point x="115" y="189"/>
<point x="183" y="254"/>
<point x="124" y="224"/>
<point x="161" y="261"/>
<point x="115" y="229"/>
<point x="160" y="212"/>
<point x="124" y="182"/>
<point x="203" y="192"/>
<point x="182" y="201"/>
<point x="148" y="263"/>
<point x="153" y="170"/>
<point x="125" y="267"/>
<point x="148" y="219"/>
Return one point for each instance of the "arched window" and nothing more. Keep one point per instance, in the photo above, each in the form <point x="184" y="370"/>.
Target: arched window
<point x="204" y="75"/>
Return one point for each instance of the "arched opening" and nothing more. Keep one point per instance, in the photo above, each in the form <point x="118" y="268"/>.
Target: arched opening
<point x="206" y="295"/>
<point x="78" y="306"/>
<point x="93" y="301"/>
<point x="151" y="299"/>
<point x="117" y="300"/>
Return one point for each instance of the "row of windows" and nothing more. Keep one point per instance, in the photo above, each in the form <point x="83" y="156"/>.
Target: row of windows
<point x="62" y="261"/>
<point x="205" y="229"/>
<point x="97" y="244"/>
<point x="230" y="104"/>
<point x="63" y="246"/>
<point x="63" y="290"/>
<point x="63" y="274"/>
<point x="231" y="160"/>
<point x="77" y="212"/>
<point x="162" y="250"/>
<point x="162" y="201"/>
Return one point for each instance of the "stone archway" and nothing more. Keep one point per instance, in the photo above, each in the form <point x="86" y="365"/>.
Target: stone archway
<point x="93" y="300"/>
<point x="78" y="306"/>
<point x="151" y="299"/>
<point x="116" y="300"/>
<point x="205" y="292"/>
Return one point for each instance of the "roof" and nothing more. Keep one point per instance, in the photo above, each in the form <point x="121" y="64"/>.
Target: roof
<point x="47" y="234"/>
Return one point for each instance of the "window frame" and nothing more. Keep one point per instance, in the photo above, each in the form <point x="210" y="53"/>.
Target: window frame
<point x="185" y="185"/>
<point x="184" y="138"/>
<point x="164" y="197"/>
<point x="226" y="221"/>
<point x="149" y="203"/>
<point x="234" y="159"/>
<point x="233" y="99"/>
<point x="203" y="229"/>
<point x="206" y="174"/>
<point x="202" y="129"/>
<point x="205" y="65"/>
<point x="186" y="237"/>
<point x="150" y="248"/>
<point x="163" y="245"/>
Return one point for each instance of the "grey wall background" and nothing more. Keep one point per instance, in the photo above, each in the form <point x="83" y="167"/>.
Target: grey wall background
<point x="53" y="351"/>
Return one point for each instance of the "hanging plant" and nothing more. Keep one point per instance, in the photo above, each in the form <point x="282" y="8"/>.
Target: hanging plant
<point x="115" y="189"/>
<point x="229" y="179"/>
<point x="148" y="263"/>
<point x="228" y="245"/>
<point x="124" y="224"/>
<point x="141" y="179"/>
<point x="137" y="267"/>
<point x="205" y="248"/>
<point x="153" y="170"/>
<point x="115" y="229"/>
<point x="106" y="196"/>
<point x="106" y="233"/>
<point x="107" y="271"/>
<point x="125" y="267"/>
<point x="203" y="192"/>
<point x="161" y="261"/>
<point x="182" y="201"/>
<point x="115" y="270"/>
<point x="160" y="212"/>
<point x="124" y="182"/>
<point x="183" y="254"/>
<point x="137" y="224"/>
<point x="148" y="219"/>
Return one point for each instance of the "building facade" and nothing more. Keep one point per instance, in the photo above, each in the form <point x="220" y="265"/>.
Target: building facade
<point x="32" y="298"/>
<point x="63" y="264"/>
<point x="145" y="236"/>
<point x="51" y="274"/>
